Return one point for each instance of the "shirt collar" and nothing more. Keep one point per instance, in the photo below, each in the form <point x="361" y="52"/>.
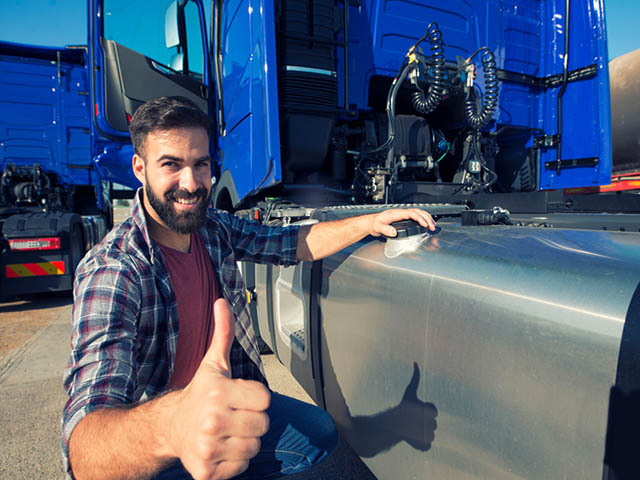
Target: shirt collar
<point x="140" y="219"/>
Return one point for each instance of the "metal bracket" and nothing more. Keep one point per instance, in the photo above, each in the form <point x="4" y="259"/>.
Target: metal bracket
<point x="251" y="294"/>
<point x="550" y="81"/>
<point x="572" y="76"/>
<point x="546" y="141"/>
<point x="573" y="163"/>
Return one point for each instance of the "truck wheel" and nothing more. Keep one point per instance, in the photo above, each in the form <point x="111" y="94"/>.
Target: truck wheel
<point x="77" y="246"/>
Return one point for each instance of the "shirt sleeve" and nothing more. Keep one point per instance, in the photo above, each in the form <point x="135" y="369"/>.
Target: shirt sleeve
<point x="259" y="243"/>
<point x="101" y="368"/>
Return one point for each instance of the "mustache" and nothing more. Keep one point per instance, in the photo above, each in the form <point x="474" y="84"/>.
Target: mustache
<point x="181" y="194"/>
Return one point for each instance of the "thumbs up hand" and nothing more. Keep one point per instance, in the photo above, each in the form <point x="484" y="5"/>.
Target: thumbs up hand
<point x="217" y="421"/>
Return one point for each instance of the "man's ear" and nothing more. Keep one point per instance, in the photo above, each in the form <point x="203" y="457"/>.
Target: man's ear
<point x="137" y="163"/>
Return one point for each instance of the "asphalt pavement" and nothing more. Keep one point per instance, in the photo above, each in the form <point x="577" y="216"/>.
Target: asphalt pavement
<point x="32" y="397"/>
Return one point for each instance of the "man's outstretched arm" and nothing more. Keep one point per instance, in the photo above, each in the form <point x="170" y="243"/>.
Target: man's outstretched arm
<point x="213" y="425"/>
<point x="326" y="238"/>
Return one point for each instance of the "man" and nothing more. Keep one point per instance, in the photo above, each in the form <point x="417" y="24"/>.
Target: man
<point x="164" y="374"/>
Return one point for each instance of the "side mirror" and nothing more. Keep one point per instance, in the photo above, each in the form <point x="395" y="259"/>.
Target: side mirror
<point x="171" y="36"/>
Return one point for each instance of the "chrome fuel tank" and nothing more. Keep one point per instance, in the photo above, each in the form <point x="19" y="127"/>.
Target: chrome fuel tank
<point x="489" y="352"/>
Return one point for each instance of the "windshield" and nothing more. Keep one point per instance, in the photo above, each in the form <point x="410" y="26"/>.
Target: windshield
<point x="140" y="26"/>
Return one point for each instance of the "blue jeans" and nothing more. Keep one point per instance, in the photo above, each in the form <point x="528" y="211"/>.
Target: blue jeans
<point x="300" y="435"/>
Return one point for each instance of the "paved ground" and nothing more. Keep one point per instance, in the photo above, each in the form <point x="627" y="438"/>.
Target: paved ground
<point x="31" y="395"/>
<point x="34" y="338"/>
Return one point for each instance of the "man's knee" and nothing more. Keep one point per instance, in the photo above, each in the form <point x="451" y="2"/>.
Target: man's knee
<point x="309" y="421"/>
<point x="325" y="433"/>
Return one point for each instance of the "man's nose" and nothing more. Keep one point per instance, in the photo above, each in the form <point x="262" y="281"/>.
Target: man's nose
<point x="188" y="179"/>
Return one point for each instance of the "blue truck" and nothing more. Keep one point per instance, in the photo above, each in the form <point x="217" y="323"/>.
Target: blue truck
<point x="506" y="345"/>
<point x="54" y="202"/>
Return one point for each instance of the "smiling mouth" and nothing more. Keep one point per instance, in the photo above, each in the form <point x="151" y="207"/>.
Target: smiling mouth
<point x="185" y="201"/>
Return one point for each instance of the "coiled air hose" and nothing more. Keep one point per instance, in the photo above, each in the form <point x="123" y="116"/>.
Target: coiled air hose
<point x="435" y="93"/>
<point x="426" y="104"/>
<point x="490" y="100"/>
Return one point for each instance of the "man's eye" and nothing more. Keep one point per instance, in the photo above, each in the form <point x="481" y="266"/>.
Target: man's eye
<point x="169" y="165"/>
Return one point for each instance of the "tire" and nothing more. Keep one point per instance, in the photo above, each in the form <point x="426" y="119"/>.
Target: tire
<point x="77" y="246"/>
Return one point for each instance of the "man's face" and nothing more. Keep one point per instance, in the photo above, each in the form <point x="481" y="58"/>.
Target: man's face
<point x="176" y="175"/>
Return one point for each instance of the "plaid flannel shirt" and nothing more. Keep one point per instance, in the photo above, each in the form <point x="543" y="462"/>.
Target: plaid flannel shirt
<point x="125" y="316"/>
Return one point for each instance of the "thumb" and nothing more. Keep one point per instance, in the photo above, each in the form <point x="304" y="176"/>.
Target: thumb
<point x="389" y="231"/>
<point x="223" y="334"/>
<point x="380" y="224"/>
<point x="385" y="229"/>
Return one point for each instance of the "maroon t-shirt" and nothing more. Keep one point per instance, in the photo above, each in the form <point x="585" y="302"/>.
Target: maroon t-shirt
<point x="195" y="288"/>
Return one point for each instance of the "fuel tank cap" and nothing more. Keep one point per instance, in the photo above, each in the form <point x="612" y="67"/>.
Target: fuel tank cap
<point x="410" y="236"/>
<point x="408" y="228"/>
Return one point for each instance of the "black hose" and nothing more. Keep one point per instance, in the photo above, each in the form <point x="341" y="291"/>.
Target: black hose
<point x="427" y="104"/>
<point x="494" y="178"/>
<point x="483" y="163"/>
<point x="475" y="151"/>
<point x="391" y="108"/>
<point x="490" y="101"/>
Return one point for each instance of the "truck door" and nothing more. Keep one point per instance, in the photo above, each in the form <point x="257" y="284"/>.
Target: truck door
<point x="141" y="50"/>
<point x="246" y="79"/>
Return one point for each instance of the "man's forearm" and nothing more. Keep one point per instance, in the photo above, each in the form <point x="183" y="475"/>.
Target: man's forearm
<point x="116" y="443"/>
<point x="326" y="238"/>
<point x="323" y="239"/>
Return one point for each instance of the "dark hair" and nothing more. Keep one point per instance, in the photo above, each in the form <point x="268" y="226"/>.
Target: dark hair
<point x="164" y="113"/>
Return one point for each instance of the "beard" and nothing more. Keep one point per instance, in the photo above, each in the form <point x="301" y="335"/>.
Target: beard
<point x="185" y="222"/>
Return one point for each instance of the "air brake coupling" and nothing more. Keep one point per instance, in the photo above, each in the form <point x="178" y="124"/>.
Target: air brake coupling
<point x="495" y="216"/>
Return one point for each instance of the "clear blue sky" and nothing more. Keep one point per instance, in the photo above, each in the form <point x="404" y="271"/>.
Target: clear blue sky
<point x="44" y="22"/>
<point x="623" y="23"/>
<point x="30" y="21"/>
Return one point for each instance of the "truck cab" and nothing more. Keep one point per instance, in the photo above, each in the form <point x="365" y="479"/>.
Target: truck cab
<point x="300" y="96"/>
<point x="54" y="203"/>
